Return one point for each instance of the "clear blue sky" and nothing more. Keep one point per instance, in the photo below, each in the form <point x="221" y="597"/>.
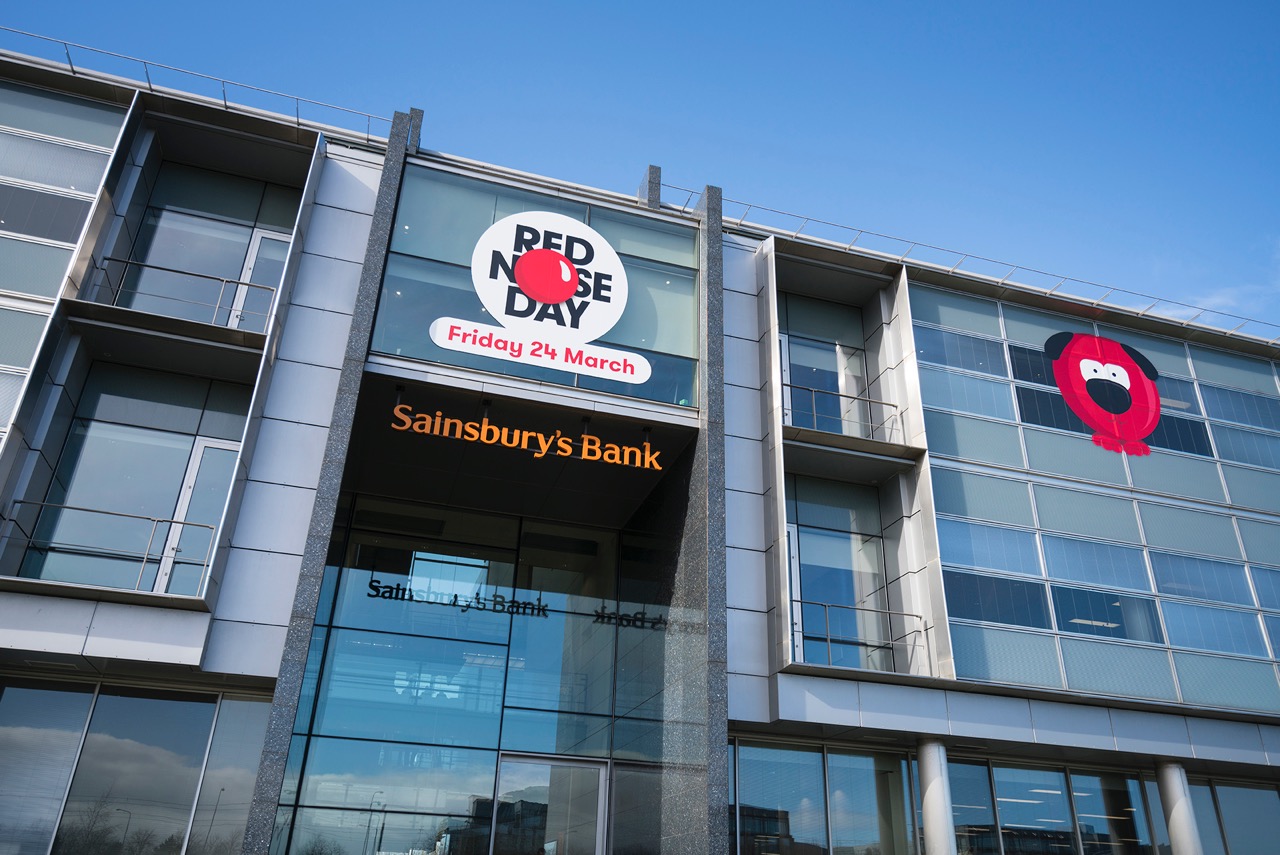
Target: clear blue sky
<point x="1132" y="144"/>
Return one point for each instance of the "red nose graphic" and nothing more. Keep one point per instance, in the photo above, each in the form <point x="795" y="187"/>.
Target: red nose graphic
<point x="546" y="276"/>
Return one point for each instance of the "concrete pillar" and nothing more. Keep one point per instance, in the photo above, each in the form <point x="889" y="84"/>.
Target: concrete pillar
<point x="935" y="798"/>
<point x="1175" y="798"/>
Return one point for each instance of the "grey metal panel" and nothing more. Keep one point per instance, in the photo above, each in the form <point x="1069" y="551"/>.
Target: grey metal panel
<point x="1072" y="724"/>
<point x="742" y="465"/>
<point x="744" y="518"/>
<point x="348" y="183"/>
<point x="745" y="580"/>
<point x="989" y="716"/>
<point x="890" y="707"/>
<point x="748" y="698"/>
<point x="146" y="634"/>
<point x="46" y="624"/>
<point x="748" y="643"/>
<point x="742" y="363"/>
<point x="1151" y="733"/>
<point x="740" y="316"/>
<point x="302" y="393"/>
<point x="739" y="265"/>
<point x="274" y="518"/>
<point x="326" y="283"/>
<point x="315" y="337"/>
<point x="743" y="415"/>
<point x="815" y="699"/>
<point x="288" y="453"/>
<point x="1237" y="741"/>
<point x="1270" y="734"/>
<point x="257" y="587"/>
<point x="338" y="233"/>
<point x="245" y="649"/>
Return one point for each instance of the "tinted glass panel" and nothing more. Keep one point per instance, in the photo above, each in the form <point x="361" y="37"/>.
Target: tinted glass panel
<point x="1097" y="563"/>
<point x="1246" y="446"/>
<point x="950" y="391"/>
<point x="949" y="309"/>
<point x="226" y="790"/>
<point x="32" y="268"/>
<point x="42" y="215"/>
<point x="1035" y="817"/>
<point x="1031" y="365"/>
<point x="423" y="779"/>
<point x="40" y="729"/>
<point x="1201" y="578"/>
<point x="1207" y="820"/>
<point x="1040" y="407"/>
<point x="780" y="799"/>
<point x="868" y="804"/>
<point x="1209" y="628"/>
<point x="1178" y="396"/>
<point x="1232" y="406"/>
<point x="960" y="351"/>
<point x="1250" y="817"/>
<point x="1178" y="434"/>
<point x="975" y="816"/>
<point x="1111" y="814"/>
<point x="997" y="600"/>
<point x="1106" y="614"/>
<point x="1266" y="581"/>
<point x="988" y="546"/>
<point x="58" y="115"/>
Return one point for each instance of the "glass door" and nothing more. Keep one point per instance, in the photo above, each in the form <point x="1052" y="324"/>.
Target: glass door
<point x="189" y="546"/>
<point x="263" y="268"/>
<point x="549" y="806"/>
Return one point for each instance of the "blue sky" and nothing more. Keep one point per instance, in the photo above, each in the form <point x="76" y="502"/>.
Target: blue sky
<point x="1131" y="144"/>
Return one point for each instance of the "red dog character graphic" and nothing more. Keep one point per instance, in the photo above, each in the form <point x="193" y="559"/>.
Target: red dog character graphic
<point x="1110" y="386"/>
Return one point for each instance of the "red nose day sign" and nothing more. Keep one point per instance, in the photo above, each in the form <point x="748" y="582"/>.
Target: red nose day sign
<point x="554" y="285"/>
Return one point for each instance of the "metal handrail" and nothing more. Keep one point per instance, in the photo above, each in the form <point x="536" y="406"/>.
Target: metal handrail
<point x="878" y="431"/>
<point x="1172" y="311"/>
<point x="150" y="86"/>
<point x="30" y="540"/>
<point x="224" y="283"/>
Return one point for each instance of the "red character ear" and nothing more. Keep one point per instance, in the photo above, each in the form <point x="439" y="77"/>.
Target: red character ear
<point x="1142" y="362"/>
<point x="1057" y="343"/>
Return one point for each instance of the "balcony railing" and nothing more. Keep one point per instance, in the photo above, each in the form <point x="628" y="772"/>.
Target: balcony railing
<point x="848" y="415"/>
<point x="859" y="637"/>
<point x="182" y="294"/>
<point x="108" y="549"/>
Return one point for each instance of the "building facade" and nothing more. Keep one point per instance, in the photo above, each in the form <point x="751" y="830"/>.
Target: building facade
<point x="362" y="499"/>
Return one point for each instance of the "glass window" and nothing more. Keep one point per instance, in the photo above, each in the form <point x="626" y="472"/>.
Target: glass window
<point x="988" y="547"/>
<point x="1250" y="818"/>
<point x="869" y="804"/>
<point x="1049" y="409"/>
<point x="222" y="810"/>
<point x="138" y="771"/>
<point x="1033" y="327"/>
<point x="1217" y="681"/>
<point x="1243" y="407"/>
<point x="1261" y="540"/>
<point x="832" y="504"/>
<point x="1035" y="815"/>
<point x="355" y="774"/>
<point x="824" y="380"/>
<point x="569" y="568"/>
<point x="964" y="494"/>
<point x="382" y="686"/>
<point x="19" y="334"/>
<point x="349" y="832"/>
<point x="781" y="805"/>
<point x="1266" y="581"/>
<point x="191" y="190"/>
<point x="972" y="439"/>
<point x="996" y="600"/>
<point x="1076" y="512"/>
<point x="1111" y="814"/>
<point x="1005" y="656"/>
<point x="32" y="268"/>
<point x="821" y="320"/>
<point x="1031" y="365"/>
<point x="52" y="164"/>
<point x="1178" y="434"/>
<point x="1212" y="628"/>
<point x="546" y="807"/>
<point x="950" y="391"/>
<point x="1233" y="369"/>
<point x="1253" y="488"/>
<point x="1095" y="563"/>
<point x="1117" y="668"/>
<point x="662" y="310"/>
<point x="1177" y="475"/>
<point x="1207" y="820"/>
<point x="1189" y="531"/>
<point x="40" y="729"/>
<point x="1076" y="456"/>
<point x="846" y="569"/>
<point x="185" y="264"/>
<point x="54" y="114"/>
<point x="1167" y="355"/>
<point x="1177" y="396"/>
<point x="1185" y="576"/>
<point x="634" y="792"/>
<point x="960" y="351"/>
<point x="1247" y="446"/>
<point x="563" y="733"/>
<point x="647" y="238"/>
<point x="972" y="808"/>
<point x="42" y="215"/>
<point x="1106" y="614"/>
<point x="958" y="311"/>
<point x="566" y="663"/>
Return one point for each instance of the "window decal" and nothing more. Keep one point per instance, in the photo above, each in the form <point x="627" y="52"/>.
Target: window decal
<point x="1110" y="386"/>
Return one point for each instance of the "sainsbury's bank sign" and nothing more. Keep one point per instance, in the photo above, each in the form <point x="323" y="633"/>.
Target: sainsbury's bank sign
<point x="554" y="285"/>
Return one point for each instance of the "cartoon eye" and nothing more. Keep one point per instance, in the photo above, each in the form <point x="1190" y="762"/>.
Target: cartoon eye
<point x="1092" y="369"/>
<point x="1116" y="374"/>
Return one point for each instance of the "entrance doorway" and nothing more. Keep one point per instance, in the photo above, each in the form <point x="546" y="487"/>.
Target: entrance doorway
<point x="549" y="806"/>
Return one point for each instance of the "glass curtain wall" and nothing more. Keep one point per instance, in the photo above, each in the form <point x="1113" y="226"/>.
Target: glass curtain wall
<point x="824" y="366"/>
<point x="441" y="216"/>
<point x="105" y="770"/>
<point x="211" y="248"/>
<point x="140" y="485"/>
<point x="477" y="678"/>
<point x="837" y="563"/>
